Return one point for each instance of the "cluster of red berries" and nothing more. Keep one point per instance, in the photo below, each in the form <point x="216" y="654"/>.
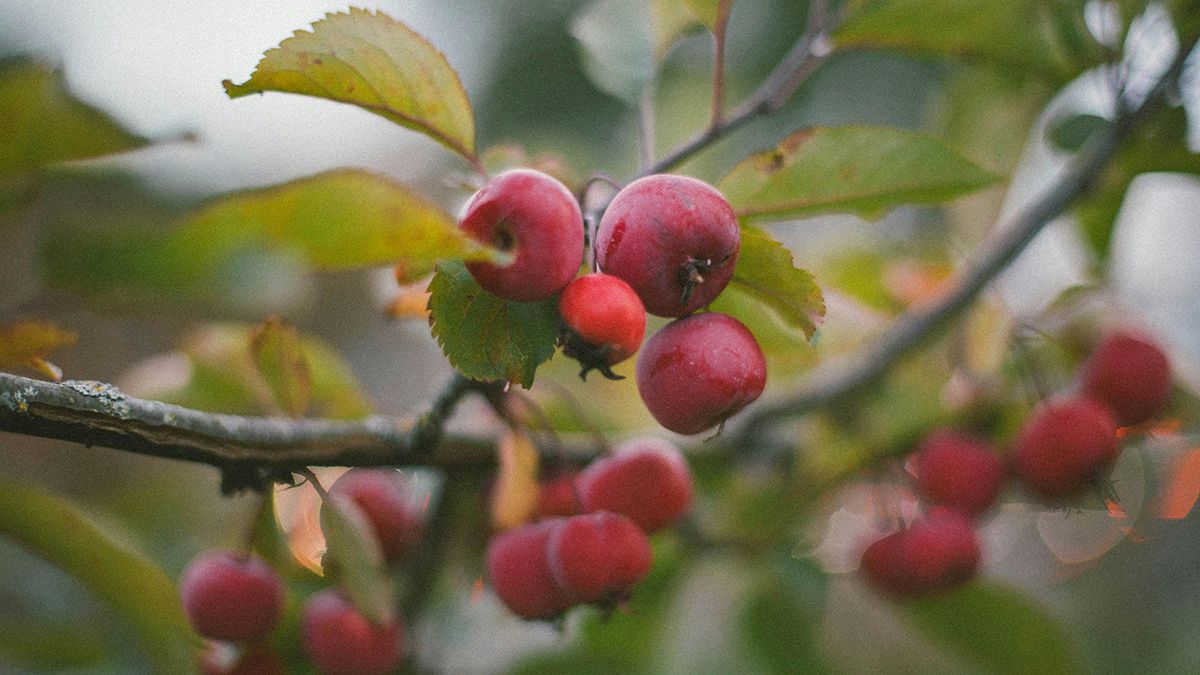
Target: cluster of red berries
<point x="591" y="545"/>
<point x="1063" y="448"/>
<point x="234" y="597"/>
<point x="666" y="245"/>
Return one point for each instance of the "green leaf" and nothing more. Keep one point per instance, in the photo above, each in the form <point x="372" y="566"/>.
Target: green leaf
<point x="995" y="629"/>
<point x="377" y="63"/>
<point x="782" y="620"/>
<point x="137" y="589"/>
<point x="485" y="337"/>
<point x="854" y="169"/>
<point x="279" y="355"/>
<point x="43" y="123"/>
<point x="765" y="270"/>
<point x="709" y="12"/>
<point x="1070" y="133"/>
<point x="52" y="647"/>
<point x="623" y="42"/>
<point x="1046" y="39"/>
<point x="354" y="559"/>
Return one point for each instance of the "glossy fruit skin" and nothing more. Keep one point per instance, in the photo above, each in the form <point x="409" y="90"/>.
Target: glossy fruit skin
<point x="382" y="495"/>
<point x="598" y="556"/>
<point x="534" y="217"/>
<point x="557" y="497"/>
<point x="1064" y="445"/>
<point x="1130" y="374"/>
<point x="657" y="229"/>
<point x="937" y="553"/>
<point x="698" y="371"/>
<point x="340" y="641"/>
<point x="606" y="313"/>
<point x="227" y="596"/>
<point x="959" y="472"/>
<point x="645" y="479"/>
<point x="519" y="571"/>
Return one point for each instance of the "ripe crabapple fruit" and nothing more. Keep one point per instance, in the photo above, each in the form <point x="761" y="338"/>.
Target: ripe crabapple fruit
<point x="605" y="322"/>
<point x="340" y="641"/>
<point x="1130" y="374"/>
<point x="229" y="596"/>
<point x="536" y="219"/>
<point x="520" y="573"/>
<point x="936" y="553"/>
<point x="598" y="556"/>
<point x="382" y="495"/>
<point x="1064" y="445"/>
<point x="646" y="480"/>
<point x="674" y="239"/>
<point x="558" y="497"/>
<point x="958" y="472"/>
<point x="700" y="370"/>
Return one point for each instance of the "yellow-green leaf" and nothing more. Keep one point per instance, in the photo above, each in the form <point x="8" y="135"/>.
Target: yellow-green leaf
<point x="279" y="354"/>
<point x="854" y="169"/>
<point x="353" y="557"/>
<point x="136" y="588"/>
<point x="377" y="63"/>
<point x="515" y="494"/>
<point x="27" y="344"/>
<point x="765" y="271"/>
<point x="42" y="123"/>
<point x="485" y="337"/>
<point x="709" y="12"/>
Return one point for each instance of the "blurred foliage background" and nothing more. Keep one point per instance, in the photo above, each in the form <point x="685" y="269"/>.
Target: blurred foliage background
<point x="90" y="245"/>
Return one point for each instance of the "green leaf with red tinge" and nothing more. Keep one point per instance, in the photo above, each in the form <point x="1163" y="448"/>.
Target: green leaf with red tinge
<point x="279" y="354"/>
<point x="854" y="169"/>
<point x="354" y="559"/>
<point x="485" y="337"/>
<point x="373" y="61"/>
<point x="27" y="344"/>
<point x="766" y="272"/>
<point x="44" y="124"/>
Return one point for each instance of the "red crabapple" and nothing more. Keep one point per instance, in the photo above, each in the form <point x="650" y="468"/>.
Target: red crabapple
<point x="536" y="219"/>
<point x="597" y="556"/>
<point x="558" y="497"/>
<point x="340" y="641"/>
<point x="674" y="239"/>
<point x="958" y="471"/>
<point x="605" y="322"/>
<point x="520" y="574"/>
<point x="228" y="596"/>
<point x="1064" y="445"/>
<point x="1130" y="374"/>
<point x="939" y="552"/>
<point x="646" y="479"/>
<point x="698" y="371"/>
<point x="382" y="495"/>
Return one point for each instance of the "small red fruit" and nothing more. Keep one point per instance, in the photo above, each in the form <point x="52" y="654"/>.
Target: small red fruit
<point x="598" y="556"/>
<point x="228" y="596"/>
<point x="674" y="239"/>
<point x="520" y="573"/>
<point x="219" y="659"/>
<point x="558" y="497"/>
<point x="382" y="495"/>
<point x="605" y="322"/>
<point x="646" y="479"/>
<point x="699" y="371"/>
<point x="340" y="641"/>
<point x="959" y="472"/>
<point x="1130" y="374"/>
<point x="535" y="218"/>
<point x="1064" y="445"/>
<point x="937" y="553"/>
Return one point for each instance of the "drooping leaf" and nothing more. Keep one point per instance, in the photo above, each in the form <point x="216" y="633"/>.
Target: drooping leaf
<point x="855" y="169"/>
<point x="43" y="123"/>
<point x="45" y="647"/>
<point x="1046" y="39"/>
<point x="485" y="337"/>
<point x="353" y="557"/>
<point x="1070" y="133"/>
<point x="996" y="630"/>
<point x="377" y="63"/>
<point x="136" y="588"/>
<point x="27" y="344"/>
<point x="782" y="620"/>
<point x="515" y="494"/>
<point x="279" y="355"/>
<point x="765" y="270"/>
